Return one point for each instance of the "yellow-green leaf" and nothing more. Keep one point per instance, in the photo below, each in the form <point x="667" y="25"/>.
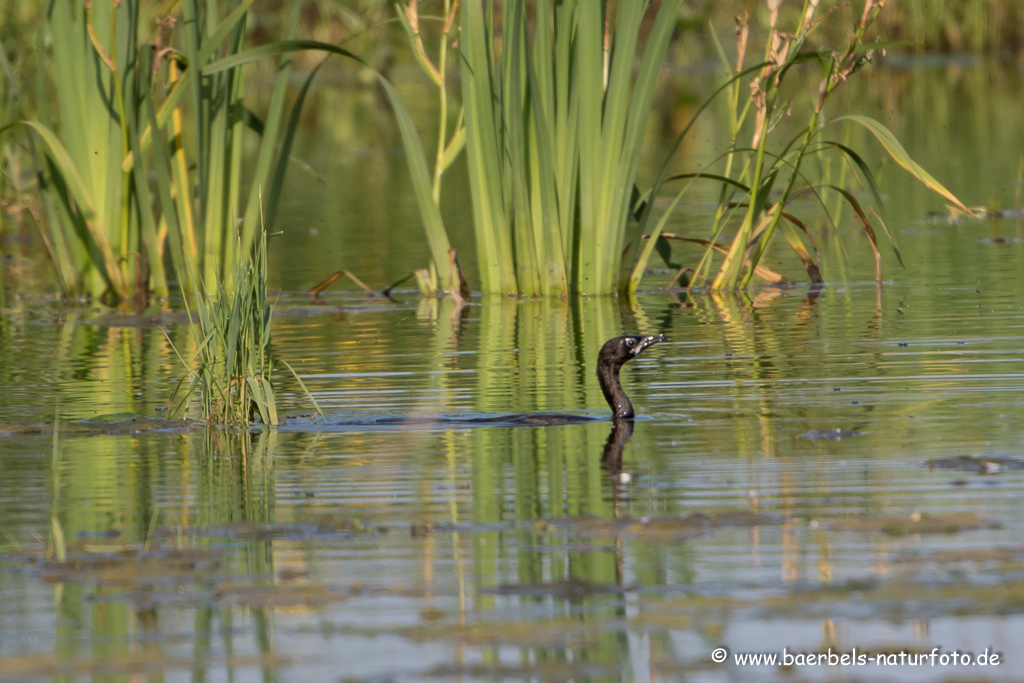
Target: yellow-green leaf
<point x="900" y="156"/>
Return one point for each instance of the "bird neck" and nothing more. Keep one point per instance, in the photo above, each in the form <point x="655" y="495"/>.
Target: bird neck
<point x="608" y="377"/>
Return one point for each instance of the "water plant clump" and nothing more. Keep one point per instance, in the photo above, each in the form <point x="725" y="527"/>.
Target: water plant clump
<point x="556" y="98"/>
<point x="554" y="129"/>
<point x="231" y="330"/>
<point x="143" y="156"/>
<point x="752" y="171"/>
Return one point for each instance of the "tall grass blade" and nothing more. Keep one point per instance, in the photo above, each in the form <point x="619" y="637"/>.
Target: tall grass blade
<point x="484" y="152"/>
<point x="305" y="389"/>
<point x="663" y="173"/>
<point x="589" y="81"/>
<point x="269" y="136"/>
<point x="437" y="237"/>
<point x="865" y="170"/>
<point x="763" y="272"/>
<point x="154" y="251"/>
<point x="797" y="245"/>
<point x="545" y="219"/>
<point x="270" y="400"/>
<point x="514" y="110"/>
<point x="626" y="161"/>
<point x="870" y="231"/>
<point x="284" y="155"/>
<point x="199" y="50"/>
<point x="70" y="177"/>
<point x="454" y="149"/>
<point x="164" y="186"/>
<point x="900" y="156"/>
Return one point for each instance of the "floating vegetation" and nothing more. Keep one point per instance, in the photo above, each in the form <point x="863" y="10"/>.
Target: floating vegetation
<point x="977" y="464"/>
<point x="896" y="600"/>
<point x="322" y="526"/>
<point x="127" y="565"/>
<point x="543" y="671"/>
<point x="664" y="530"/>
<point x="422" y="529"/>
<point x="566" y="589"/>
<point x="111" y="424"/>
<point x="278" y="595"/>
<point x="550" y="632"/>
<point x="836" y="434"/>
<point x="127" y="664"/>
<point x="917" y="523"/>
<point x="999" y="559"/>
<point x="160" y="318"/>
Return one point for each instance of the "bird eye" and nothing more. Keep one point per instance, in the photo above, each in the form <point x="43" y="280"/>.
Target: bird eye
<point x="631" y="342"/>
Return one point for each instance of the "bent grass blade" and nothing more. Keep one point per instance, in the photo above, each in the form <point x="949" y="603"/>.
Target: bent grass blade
<point x="900" y="156"/>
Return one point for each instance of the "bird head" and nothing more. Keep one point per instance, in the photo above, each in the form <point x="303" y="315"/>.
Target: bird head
<point x="619" y="350"/>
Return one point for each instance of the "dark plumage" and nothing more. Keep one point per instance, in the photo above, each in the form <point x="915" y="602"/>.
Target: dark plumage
<point x="614" y="354"/>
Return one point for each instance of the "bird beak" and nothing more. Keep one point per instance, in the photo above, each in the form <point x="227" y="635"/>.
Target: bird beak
<point x="647" y="341"/>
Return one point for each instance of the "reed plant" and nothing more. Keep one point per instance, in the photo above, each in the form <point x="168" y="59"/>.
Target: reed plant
<point x="97" y="236"/>
<point x="752" y="172"/>
<point x="145" y="152"/>
<point x="231" y="371"/>
<point x="934" y="25"/>
<point x="6" y="102"/>
<point x="443" y="272"/>
<point x="448" y="148"/>
<point x="993" y="26"/>
<point x="554" y="128"/>
<point x="231" y="331"/>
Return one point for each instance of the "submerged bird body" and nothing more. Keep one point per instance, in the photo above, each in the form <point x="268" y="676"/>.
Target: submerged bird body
<point x="614" y="354"/>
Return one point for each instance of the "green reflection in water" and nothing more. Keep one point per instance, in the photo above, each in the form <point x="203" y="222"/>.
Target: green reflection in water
<point x="529" y="556"/>
<point x="512" y="573"/>
<point x="114" y="598"/>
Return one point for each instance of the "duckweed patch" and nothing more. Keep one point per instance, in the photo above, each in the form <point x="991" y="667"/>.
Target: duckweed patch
<point x="836" y="434"/>
<point x="660" y="530"/>
<point x="976" y="464"/>
<point x="106" y="425"/>
<point x="321" y="526"/>
<point x="124" y="664"/>
<point x="917" y="523"/>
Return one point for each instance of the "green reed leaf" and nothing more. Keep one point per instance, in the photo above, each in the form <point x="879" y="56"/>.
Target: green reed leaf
<point x="900" y="156"/>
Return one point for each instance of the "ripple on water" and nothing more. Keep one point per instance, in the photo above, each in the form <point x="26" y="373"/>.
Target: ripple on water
<point x="483" y="535"/>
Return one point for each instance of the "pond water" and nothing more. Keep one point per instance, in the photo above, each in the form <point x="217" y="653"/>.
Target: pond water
<point x="453" y="552"/>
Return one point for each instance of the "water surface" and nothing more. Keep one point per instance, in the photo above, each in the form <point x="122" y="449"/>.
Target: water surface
<point x="491" y="552"/>
<point x="441" y="552"/>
